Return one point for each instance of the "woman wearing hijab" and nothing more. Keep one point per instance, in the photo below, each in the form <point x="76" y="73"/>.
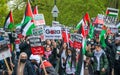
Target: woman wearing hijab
<point x="23" y="67"/>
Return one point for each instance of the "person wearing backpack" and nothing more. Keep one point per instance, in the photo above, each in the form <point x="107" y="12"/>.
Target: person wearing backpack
<point x="100" y="61"/>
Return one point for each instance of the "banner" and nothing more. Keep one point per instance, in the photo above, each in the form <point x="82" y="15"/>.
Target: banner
<point x="52" y="33"/>
<point x="77" y="41"/>
<point x="4" y="50"/>
<point x="37" y="50"/>
<point x="56" y="24"/>
<point x="76" y="37"/>
<point x="110" y="21"/>
<point x="39" y="19"/>
<point x="114" y="30"/>
<point x="35" y="43"/>
<point x="38" y="30"/>
<point x="98" y="27"/>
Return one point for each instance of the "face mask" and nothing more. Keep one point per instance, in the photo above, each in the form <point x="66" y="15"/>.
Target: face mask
<point x="23" y="60"/>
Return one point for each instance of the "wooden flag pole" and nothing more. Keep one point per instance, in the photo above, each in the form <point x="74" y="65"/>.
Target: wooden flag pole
<point x="43" y="66"/>
<point x="7" y="65"/>
<point x="11" y="63"/>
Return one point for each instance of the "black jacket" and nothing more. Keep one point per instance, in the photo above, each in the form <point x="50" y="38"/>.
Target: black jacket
<point x="28" y="70"/>
<point x="24" y="47"/>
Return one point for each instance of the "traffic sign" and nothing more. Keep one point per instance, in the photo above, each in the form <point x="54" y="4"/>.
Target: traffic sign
<point x="55" y="11"/>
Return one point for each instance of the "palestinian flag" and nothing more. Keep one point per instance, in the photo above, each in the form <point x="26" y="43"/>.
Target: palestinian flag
<point x="9" y="21"/>
<point x="86" y="19"/>
<point x="102" y="37"/>
<point x="99" y="19"/>
<point x="28" y="13"/>
<point x="79" y="25"/>
<point x="65" y="36"/>
<point x="35" y="11"/>
<point x="112" y="12"/>
<point x="80" y="64"/>
<point x="27" y="28"/>
<point x="91" y="31"/>
<point x="28" y="24"/>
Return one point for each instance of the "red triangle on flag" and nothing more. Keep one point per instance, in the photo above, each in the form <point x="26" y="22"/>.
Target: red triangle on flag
<point x="86" y="18"/>
<point x="83" y="31"/>
<point x="107" y="12"/>
<point x="29" y="10"/>
<point x="35" y="11"/>
<point x="11" y="17"/>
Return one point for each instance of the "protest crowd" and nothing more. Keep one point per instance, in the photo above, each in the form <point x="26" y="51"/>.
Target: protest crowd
<point x="92" y="49"/>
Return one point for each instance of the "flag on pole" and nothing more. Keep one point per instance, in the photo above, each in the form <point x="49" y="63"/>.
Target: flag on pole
<point x="91" y="31"/>
<point x="28" y="13"/>
<point x="99" y="19"/>
<point x="9" y="21"/>
<point x="112" y="12"/>
<point x="79" y="25"/>
<point x="27" y="28"/>
<point x="28" y="24"/>
<point x="102" y="37"/>
<point x="35" y="11"/>
<point x="80" y="64"/>
<point x="86" y="19"/>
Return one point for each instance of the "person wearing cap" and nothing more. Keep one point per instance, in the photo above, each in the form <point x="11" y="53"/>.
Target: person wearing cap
<point x="35" y="60"/>
<point x="100" y="61"/>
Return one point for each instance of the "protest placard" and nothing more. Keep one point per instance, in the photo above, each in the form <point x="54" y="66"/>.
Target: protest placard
<point x="55" y="24"/>
<point x="39" y="19"/>
<point x="35" y="43"/>
<point x="110" y="21"/>
<point x="98" y="27"/>
<point x="77" y="40"/>
<point x="38" y="30"/>
<point x="4" y="50"/>
<point x="53" y="33"/>
<point x="76" y="37"/>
